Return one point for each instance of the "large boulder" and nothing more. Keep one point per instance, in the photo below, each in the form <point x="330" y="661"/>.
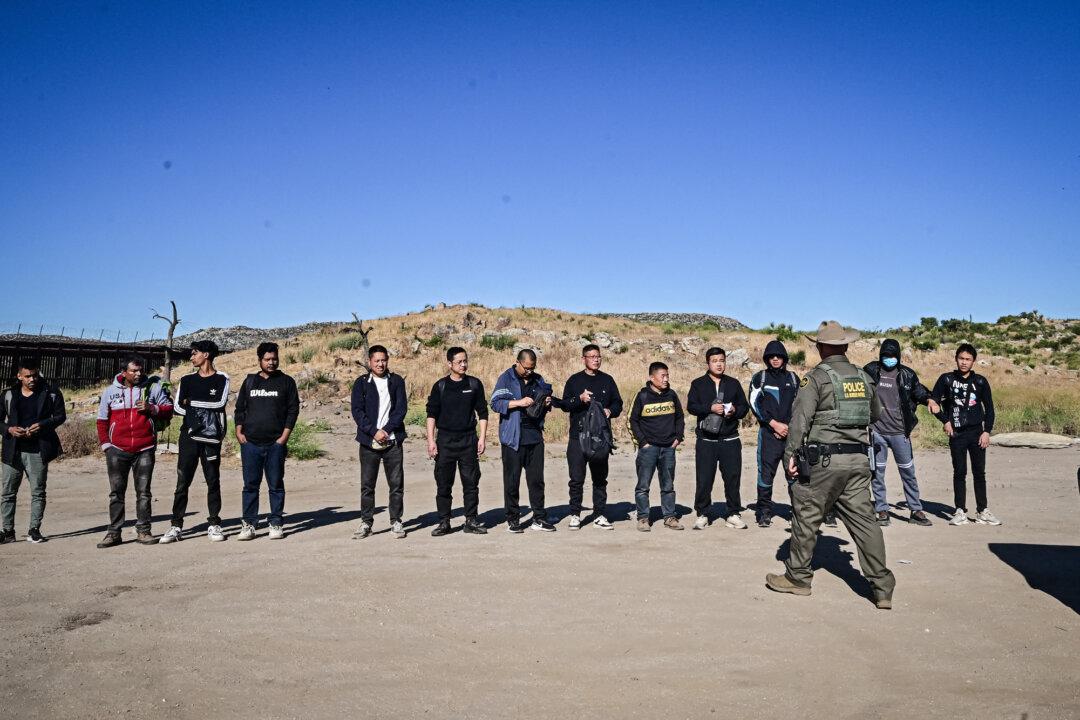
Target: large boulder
<point x="738" y="358"/>
<point x="1041" y="441"/>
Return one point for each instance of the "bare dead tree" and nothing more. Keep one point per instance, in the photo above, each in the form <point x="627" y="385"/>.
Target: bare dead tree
<point x="363" y="340"/>
<point x="173" y="322"/>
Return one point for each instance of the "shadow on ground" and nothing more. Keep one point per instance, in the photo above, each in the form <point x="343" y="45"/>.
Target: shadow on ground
<point x="1049" y="568"/>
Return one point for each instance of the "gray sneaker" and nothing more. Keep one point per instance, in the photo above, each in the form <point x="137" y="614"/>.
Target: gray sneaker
<point x="986" y="518"/>
<point x="397" y="529"/>
<point x="959" y="517"/>
<point x="276" y="532"/>
<point x="172" y="536"/>
<point x="362" y="532"/>
<point x="247" y="532"/>
<point x="215" y="533"/>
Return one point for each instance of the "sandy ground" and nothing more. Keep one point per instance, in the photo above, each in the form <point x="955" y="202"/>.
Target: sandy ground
<point x="586" y="624"/>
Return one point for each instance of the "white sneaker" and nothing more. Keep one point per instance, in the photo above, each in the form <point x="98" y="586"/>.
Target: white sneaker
<point x="986" y="518"/>
<point x="362" y="532"/>
<point x="276" y="532"/>
<point x="172" y="536"/>
<point x="397" y="529"/>
<point x="959" y="517"/>
<point x="602" y="523"/>
<point x="734" y="521"/>
<point x="247" y="532"/>
<point x="575" y="522"/>
<point x="701" y="523"/>
<point x="215" y="534"/>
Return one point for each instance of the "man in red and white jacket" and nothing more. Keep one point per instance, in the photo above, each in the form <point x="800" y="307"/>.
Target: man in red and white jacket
<point x="125" y="425"/>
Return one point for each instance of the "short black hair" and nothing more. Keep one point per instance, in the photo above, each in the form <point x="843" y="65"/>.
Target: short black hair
<point x="967" y="348"/>
<point x="451" y="352"/>
<point x="267" y="347"/>
<point x="207" y="346"/>
<point x="526" y="353"/>
<point x="132" y="359"/>
<point x="589" y="348"/>
<point x="715" y="351"/>
<point x="29" y="363"/>
<point x="377" y="348"/>
<point x="654" y="366"/>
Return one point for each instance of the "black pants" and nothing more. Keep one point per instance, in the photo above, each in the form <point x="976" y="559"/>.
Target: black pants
<point x="577" y="464"/>
<point x="457" y="451"/>
<point x="962" y="444"/>
<point x="190" y="454"/>
<point x="770" y="453"/>
<point x="529" y="458"/>
<point x="392" y="461"/>
<point x="120" y="465"/>
<point x="727" y="455"/>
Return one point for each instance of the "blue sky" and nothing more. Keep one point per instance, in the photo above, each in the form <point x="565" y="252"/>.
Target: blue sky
<point x="272" y="163"/>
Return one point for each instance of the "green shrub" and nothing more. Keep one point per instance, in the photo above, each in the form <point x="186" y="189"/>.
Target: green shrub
<point x="433" y="342"/>
<point x="314" y="380"/>
<point x="783" y="333"/>
<point x="303" y="443"/>
<point x="307" y="353"/>
<point x="352" y="341"/>
<point x="925" y="344"/>
<point x="416" y="414"/>
<point x="319" y="425"/>
<point x="1035" y="409"/>
<point x="497" y="342"/>
<point x="797" y="358"/>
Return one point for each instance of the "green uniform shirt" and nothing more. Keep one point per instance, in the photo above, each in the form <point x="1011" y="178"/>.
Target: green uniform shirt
<point x="816" y="395"/>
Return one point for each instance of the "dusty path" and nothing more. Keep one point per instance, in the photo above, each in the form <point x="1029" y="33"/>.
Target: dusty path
<point x="585" y="624"/>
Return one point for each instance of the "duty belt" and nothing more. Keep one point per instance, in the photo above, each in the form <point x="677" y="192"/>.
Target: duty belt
<point x="844" y="448"/>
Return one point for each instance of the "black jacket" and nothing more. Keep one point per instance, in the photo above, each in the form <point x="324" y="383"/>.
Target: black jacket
<point x="965" y="402"/>
<point x="772" y="392"/>
<point x="656" y="418"/>
<point x="365" y="408"/>
<point x="604" y="391"/>
<point x="266" y="406"/>
<point x="51" y="415"/>
<point x="912" y="392"/>
<point x="702" y="395"/>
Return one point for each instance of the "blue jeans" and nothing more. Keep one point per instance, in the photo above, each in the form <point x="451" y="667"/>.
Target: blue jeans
<point x="651" y="459"/>
<point x="258" y="460"/>
<point x="905" y="463"/>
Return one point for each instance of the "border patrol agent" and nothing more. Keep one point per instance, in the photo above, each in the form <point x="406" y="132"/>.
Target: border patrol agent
<point x="827" y="458"/>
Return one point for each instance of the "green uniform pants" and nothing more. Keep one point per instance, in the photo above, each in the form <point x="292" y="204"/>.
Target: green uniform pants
<point x="844" y="486"/>
<point x="28" y="464"/>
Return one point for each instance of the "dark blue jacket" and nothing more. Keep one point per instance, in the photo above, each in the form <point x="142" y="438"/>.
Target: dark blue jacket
<point x="365" y="408"/>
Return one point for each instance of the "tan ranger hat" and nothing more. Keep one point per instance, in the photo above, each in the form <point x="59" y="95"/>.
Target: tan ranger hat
<point x="831" y="332"/>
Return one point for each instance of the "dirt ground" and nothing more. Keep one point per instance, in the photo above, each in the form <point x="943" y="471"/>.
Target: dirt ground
<point x="587" y="624"/>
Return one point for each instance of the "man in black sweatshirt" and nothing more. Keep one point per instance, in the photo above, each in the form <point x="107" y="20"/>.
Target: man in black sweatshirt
<point x="583" y="388"/>
<point x="455" y="407"/>
<point x="267" y="407"/>
<point x="200" y="400"/>
<point x="772" y="395"/>
<point x="657" y="424"/>
<point x="967" y="409"/>
<point x="718" y="402"/>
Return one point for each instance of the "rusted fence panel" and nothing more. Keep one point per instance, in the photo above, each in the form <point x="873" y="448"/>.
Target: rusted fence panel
<point x="73" y="363"/>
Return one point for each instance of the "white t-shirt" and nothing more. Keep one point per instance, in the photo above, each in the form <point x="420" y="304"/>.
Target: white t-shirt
<point x="382" y="384"/>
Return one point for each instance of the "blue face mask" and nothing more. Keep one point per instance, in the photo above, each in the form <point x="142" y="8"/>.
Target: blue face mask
<point x="889" y="362"/>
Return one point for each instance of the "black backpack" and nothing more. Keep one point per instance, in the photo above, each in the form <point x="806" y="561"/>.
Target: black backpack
<point x="595" y="436"/>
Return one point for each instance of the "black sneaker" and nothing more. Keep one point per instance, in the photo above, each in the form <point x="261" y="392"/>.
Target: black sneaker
<point x="7" y="536"/>
<point x="473" y="527"/>
<point x="542" y="526"/>
<point x="35" y="536"/>
<point x="764" y="520"/>
<point x="514" y="526"/>
<point x="111" y="540"/>
<point x="441" y="529"/>
<point x="830" y="520"/>
<point x="883" y="518"/>
<point x="919" y="518"/>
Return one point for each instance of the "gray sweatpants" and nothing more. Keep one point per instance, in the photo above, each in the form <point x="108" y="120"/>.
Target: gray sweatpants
<point x="905" y="463"/>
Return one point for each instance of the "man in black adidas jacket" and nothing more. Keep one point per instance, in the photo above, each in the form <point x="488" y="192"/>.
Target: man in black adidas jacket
<point x="719" y="395"/>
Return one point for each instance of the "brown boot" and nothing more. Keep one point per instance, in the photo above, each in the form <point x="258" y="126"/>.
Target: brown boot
<point x="672" y="523"/>
<point x="110" y="540"/>
<point x="145" y="538"/>
<point x="780" y="583"/>
<point x="643" y="524"/>
<point x="883" y="603"/>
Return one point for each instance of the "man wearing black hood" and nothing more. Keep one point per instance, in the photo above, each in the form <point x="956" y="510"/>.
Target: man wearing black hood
<point x="900" y="392"/>
<point x="772" y="395"/>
